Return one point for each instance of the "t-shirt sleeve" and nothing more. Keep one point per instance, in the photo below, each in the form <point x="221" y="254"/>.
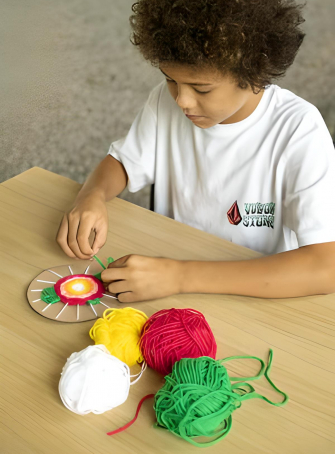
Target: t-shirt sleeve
<point x="309" y="190"/>
<point x="137" y="150"/>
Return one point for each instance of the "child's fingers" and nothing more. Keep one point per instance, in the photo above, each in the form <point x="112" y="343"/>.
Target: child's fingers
<point x="119" y="287"/>
<point x="72" y="237"/>
<point x="116" y="274"/>
<point x="62" y="236"/>
<point x="127" y="297"/>
<point x="84" y="230"/>
<point x="100" y="237"/>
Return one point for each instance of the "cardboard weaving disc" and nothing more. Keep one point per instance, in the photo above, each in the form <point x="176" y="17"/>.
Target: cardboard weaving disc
<point x="69" y="314"/>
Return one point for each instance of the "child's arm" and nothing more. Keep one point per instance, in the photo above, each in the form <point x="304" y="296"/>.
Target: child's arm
<point x="309" y="270"/>
<point x="108" y="180"/>
<point x="89" y="211"/>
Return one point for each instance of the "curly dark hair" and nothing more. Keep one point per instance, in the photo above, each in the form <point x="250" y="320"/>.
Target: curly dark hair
<point x="253" y="40"/>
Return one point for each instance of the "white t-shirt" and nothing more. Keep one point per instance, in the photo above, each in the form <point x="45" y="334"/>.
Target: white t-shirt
<point x="278" y="165"/>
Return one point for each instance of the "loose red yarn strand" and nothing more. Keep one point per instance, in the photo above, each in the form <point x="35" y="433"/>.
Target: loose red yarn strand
<point x="121" y="429"/>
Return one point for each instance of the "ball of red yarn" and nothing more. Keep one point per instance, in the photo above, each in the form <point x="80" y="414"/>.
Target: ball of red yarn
<point x="172" y="334"/>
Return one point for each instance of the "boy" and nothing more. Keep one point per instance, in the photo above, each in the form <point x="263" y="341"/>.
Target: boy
<point x="229" y="153"/>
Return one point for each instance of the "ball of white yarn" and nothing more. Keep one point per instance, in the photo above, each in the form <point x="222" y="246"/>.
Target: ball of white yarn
<point x="94" y="381"/>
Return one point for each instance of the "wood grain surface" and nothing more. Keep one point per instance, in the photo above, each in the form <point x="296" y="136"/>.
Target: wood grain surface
<point x="34" y="349"/>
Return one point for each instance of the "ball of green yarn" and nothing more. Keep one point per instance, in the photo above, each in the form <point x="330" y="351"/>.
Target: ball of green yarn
<point x="198" y="398"/>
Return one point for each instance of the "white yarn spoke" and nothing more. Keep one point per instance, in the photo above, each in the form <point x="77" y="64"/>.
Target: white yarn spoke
<point x="47" y="282"/>
<point x="62" y="309"/>
<point x="70" y="269"/>
<point x="77" y="311"/>
<point x="109" y="296"/>
<point x="36" y="301"/>
<point x="50" y="271"/>
<point x="104" y="304"/>
<point x="93" y="310"/>
<point x="46" y="307"/>
<point x="139" y="375"/>
<point x="39" y="290"/>
<point x="87" y="269"/>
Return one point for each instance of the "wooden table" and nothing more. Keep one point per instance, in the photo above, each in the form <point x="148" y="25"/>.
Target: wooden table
<point x="34" y="349"/>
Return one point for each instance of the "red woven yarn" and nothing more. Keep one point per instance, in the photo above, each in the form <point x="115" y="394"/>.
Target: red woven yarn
<point x="172" y="334"/>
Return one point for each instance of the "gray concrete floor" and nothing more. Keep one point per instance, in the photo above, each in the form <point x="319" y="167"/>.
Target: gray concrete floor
<point x="71" y="82"/>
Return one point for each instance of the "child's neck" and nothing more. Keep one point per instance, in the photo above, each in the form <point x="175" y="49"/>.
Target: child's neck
<point x="247" y="109"/>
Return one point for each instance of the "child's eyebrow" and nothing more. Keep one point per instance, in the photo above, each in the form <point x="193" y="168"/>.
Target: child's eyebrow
<point x="186" y="84"/>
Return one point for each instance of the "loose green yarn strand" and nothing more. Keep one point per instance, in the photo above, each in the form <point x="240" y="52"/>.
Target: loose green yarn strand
<point x="265" y="370"/>
<point x="198" y="398"/>
<point x="255" y="377"/>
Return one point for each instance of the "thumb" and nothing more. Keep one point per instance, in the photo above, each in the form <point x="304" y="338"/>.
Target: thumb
<point x="119" y="262"/>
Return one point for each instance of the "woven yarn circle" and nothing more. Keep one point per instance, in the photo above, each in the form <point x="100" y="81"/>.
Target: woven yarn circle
<point x="197" y="400"/>
<point x="119" y="330"/>
<point x="172" y="334"/>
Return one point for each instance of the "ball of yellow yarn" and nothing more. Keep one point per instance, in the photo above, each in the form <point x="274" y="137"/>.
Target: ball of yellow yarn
<point x="120" y="330"/>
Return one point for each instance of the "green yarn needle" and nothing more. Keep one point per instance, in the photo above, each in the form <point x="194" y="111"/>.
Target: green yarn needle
<point x="109" y="260"/>
<point x="99" y="261"/>
<point x="198" y="398"/>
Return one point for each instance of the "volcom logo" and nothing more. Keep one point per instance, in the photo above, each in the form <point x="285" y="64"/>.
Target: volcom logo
<point x="257" y="214"/>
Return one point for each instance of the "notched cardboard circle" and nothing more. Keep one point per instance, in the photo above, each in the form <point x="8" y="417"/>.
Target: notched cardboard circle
<point x="69" y="314"/>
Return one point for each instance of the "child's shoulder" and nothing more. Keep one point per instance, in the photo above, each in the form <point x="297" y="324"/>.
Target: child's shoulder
<point x="293" y="108"/>
<point x="299" y="126"/>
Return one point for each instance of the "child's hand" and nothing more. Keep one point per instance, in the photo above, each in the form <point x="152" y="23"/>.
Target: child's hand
<point x="138" y="278"/>
<point x="87" y="215"/>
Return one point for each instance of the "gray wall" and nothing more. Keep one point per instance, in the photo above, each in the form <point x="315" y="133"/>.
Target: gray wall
<point x="71" y="82"/>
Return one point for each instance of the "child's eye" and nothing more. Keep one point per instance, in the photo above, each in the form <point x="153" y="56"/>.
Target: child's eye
<point x="201" y="92"/>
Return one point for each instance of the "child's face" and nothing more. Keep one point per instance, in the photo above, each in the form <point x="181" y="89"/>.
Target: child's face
<point x="217" y="100"/>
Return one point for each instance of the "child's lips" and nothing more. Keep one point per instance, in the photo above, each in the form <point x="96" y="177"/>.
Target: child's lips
<point x="193" y="116"/>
